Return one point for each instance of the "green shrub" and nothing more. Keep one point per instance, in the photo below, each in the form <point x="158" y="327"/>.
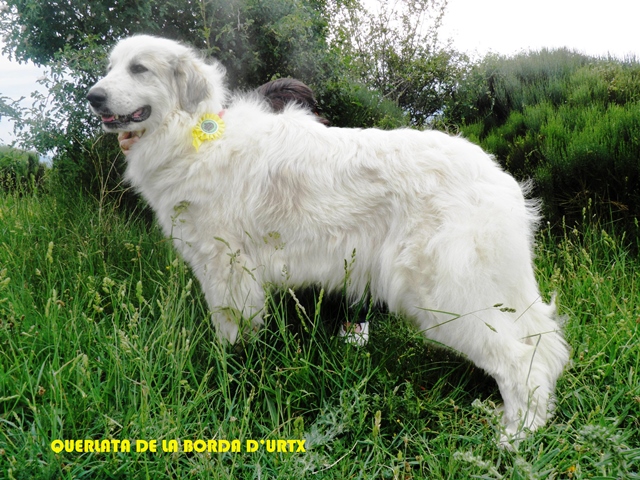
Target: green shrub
<point x="19" y="169"/>
<point x="349" y="104"/>
<point x="570" y="122"/>
<point x="593" y="154"/>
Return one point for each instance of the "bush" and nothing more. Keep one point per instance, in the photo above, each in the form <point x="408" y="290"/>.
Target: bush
<point x="568" y="121"/>
<point x="19" y="169"/>
<point x="349" y="104"/>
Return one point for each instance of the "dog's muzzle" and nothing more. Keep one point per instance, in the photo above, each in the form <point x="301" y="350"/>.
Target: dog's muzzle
<point x="98" y="99"/>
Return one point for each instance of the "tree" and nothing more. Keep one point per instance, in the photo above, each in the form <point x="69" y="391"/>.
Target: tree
<point x="252" y="38"/>
<point x="394" y="48"/>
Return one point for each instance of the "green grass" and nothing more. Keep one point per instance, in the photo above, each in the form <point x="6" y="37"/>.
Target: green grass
<point x="104" y="335"/>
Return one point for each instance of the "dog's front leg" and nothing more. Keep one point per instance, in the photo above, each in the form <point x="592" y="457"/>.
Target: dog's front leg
<point x="235" y="296"/>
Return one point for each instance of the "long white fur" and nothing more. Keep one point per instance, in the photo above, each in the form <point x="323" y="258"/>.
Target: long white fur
<point x="436" y="225"/>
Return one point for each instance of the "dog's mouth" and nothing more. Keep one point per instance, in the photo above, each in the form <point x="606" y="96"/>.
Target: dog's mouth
<point x="114" y="121"/>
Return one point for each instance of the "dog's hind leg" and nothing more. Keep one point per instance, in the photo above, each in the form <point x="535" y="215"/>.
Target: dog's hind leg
<point x="523" y="351"/>
<point x="478" y="266"/>
<point x="544" y="357"/>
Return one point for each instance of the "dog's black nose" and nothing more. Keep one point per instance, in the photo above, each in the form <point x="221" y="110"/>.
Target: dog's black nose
<point x="97" y="97"/>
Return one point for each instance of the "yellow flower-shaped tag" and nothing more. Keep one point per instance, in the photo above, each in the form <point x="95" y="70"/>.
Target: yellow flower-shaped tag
<point x="210" y="127"/>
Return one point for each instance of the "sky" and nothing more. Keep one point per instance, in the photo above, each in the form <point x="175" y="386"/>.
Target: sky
<point x="16" y="80"/>
<point x="595" y="27"/>
<point x="476" y="27"/>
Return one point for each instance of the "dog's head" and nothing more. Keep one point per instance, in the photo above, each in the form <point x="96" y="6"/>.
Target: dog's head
<point x="150" y="77"/>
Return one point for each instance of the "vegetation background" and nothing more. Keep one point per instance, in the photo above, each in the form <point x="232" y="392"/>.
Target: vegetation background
<point x="104" y="333"/>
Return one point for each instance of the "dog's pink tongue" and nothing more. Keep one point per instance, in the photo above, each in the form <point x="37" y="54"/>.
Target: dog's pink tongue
<point x="108" y="118"/>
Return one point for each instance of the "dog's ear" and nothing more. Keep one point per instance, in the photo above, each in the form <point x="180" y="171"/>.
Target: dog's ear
<point x="192" y="84"/>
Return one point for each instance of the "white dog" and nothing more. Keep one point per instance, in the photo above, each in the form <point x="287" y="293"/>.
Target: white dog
<point x="252" y="198"/>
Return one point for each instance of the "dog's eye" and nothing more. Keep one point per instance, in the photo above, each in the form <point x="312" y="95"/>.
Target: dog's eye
<point x="137" y="68"/>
